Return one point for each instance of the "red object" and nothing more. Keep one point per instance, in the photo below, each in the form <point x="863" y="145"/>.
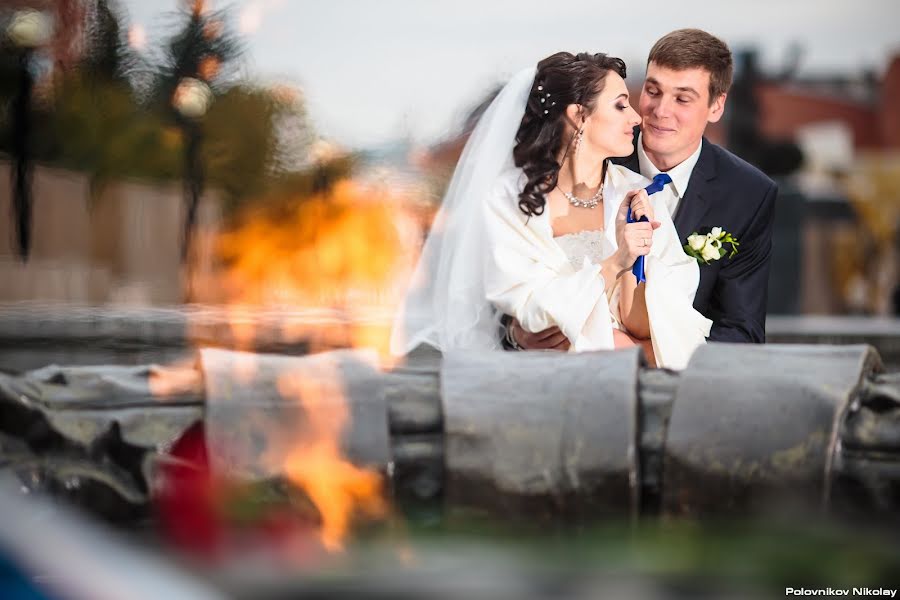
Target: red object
<point x="187" y="499"/>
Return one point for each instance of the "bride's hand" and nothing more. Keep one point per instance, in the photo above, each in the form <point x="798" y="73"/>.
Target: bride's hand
<point x="641" y="205"/>
<point x="634" y="239"/>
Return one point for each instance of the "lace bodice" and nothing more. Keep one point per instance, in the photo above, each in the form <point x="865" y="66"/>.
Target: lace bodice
<point x="590" y="243"/>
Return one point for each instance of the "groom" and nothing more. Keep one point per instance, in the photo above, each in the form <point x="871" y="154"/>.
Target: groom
<point x="688" y="75"/>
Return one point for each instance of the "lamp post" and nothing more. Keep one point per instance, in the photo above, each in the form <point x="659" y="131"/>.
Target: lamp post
<point x="321" y="154"/>
<point x="191" y="100"/>
<point x="27" y="30"/>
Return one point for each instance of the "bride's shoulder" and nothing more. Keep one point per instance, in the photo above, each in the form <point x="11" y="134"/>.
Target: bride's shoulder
<point x="623" y="176"/>
<point x="508" y="184"/>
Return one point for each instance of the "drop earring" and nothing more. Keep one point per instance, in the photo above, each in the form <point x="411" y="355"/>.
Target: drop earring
<point x="576" y="141"/>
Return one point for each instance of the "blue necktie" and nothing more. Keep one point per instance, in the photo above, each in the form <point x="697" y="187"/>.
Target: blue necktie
<point x="659" y="182"/>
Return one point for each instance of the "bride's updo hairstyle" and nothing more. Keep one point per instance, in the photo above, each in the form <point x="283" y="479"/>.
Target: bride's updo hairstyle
<point x="562" y="79"/>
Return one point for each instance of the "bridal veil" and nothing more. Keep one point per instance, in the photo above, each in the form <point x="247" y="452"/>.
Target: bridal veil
<point x="446" y="305"/>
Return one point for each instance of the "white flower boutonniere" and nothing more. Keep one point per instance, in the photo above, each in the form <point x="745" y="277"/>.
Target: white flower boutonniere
<point x="712" y="246"/>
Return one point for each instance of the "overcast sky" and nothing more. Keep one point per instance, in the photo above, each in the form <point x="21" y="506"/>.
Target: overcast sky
<point x="376" y="70"/>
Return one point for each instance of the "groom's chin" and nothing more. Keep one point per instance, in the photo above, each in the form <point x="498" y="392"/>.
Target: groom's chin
<point x="655" y="143"/>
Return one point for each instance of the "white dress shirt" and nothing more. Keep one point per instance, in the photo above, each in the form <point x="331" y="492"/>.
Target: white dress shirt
<point x="680" y="174"/>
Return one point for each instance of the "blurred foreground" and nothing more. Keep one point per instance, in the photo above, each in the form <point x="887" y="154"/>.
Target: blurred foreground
<point x="279" y="476"/>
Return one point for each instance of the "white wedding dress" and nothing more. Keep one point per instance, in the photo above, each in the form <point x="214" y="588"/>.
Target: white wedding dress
<point x="591" y="247"/>
<point x="545" y="281"/>
<point x="589" y="244"/>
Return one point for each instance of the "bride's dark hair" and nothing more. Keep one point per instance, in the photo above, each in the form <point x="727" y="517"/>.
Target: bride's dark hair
<point x="562" y="79"/>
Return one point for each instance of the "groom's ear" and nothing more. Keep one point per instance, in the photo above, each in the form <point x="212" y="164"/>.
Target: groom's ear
<point x="717" y="109"/>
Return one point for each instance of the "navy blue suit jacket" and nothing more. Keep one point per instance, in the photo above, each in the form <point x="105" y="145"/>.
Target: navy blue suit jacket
<point x="725" y="191"/>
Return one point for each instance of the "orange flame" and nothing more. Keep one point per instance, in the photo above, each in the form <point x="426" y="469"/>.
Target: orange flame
<point x="332" y="269"/>
<point x="340" y="255"/>
<point x="337" y="488"/>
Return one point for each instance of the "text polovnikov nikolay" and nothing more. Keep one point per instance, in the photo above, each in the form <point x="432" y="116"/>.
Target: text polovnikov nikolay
<point x="840" y="592"/>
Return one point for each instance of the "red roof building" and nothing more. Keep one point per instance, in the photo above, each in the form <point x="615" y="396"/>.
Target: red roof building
<point x="870" y="111"/>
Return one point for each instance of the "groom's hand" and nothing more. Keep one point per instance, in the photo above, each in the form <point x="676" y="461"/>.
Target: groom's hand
<point x="549" y="339"/>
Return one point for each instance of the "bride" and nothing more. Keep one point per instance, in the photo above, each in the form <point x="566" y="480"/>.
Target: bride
<point x="533" y="225"/>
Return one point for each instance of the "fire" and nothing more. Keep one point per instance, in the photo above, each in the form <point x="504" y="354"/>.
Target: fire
<point x="327" y="270"/>
<point x="340" y="256"/>
<point x="322" y="251"/>
<point x="337" y="488"/>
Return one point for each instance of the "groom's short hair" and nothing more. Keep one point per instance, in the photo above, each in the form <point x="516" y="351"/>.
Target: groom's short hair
<point x="695" y="48"/>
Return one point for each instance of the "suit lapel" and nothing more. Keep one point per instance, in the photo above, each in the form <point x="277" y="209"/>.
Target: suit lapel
<point x="696" y="200"/>
<point x="631" y="162"/>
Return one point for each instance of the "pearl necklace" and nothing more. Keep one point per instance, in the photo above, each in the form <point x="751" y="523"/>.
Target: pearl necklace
<point x="591" y="202"/>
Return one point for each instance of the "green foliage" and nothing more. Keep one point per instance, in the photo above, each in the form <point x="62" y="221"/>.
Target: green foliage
<point x="113" y="117"/>
<point x="239" y="142"/>
<point x="283" y="190"/>
<point x="98" y="127"/>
